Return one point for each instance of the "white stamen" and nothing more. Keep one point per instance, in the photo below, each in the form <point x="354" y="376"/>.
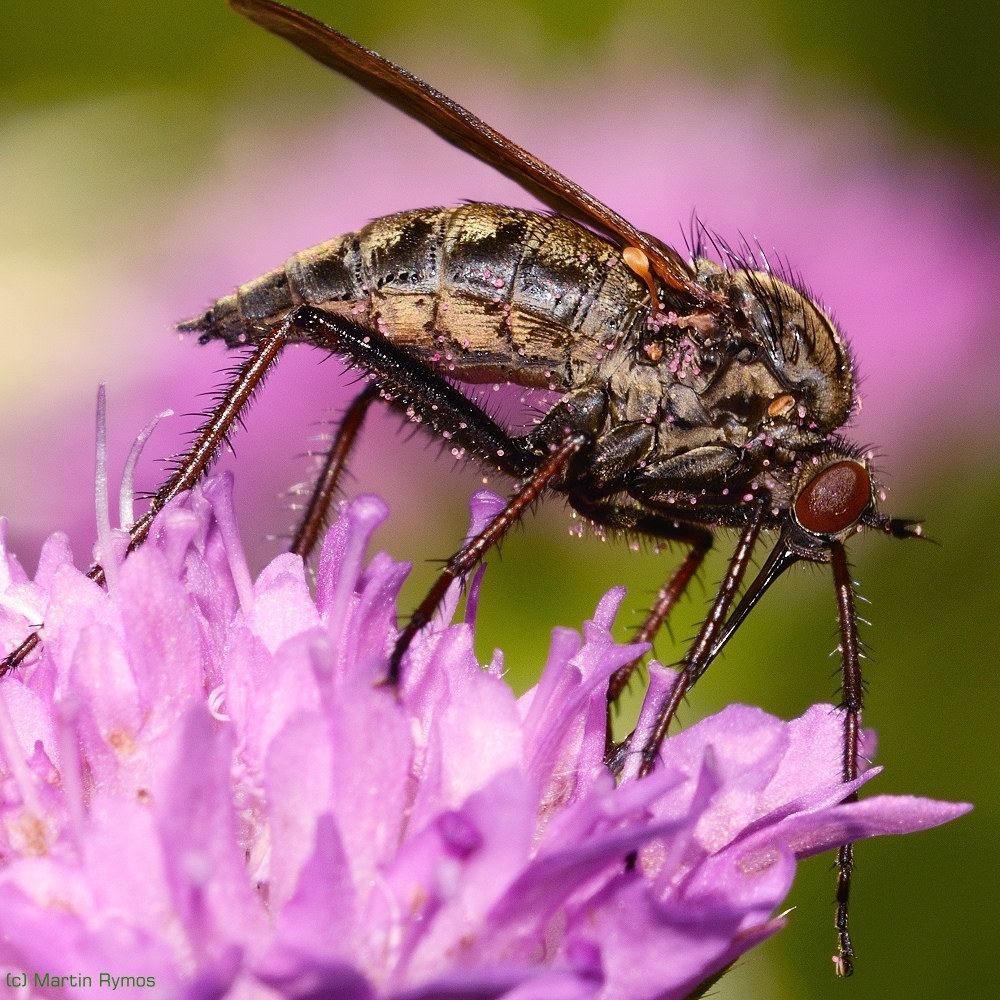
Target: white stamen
<point x="126" y="495"/>
<point x="105" y="540"/>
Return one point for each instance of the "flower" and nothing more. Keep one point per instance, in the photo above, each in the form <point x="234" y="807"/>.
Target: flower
<point x="204" y="786"/>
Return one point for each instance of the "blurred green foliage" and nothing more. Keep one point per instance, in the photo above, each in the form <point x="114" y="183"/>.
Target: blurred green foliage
<point x="924" y="907"/>
<point x="933" y="61"/>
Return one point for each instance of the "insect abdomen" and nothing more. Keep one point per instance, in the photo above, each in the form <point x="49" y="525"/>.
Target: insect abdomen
<point x="480" y="292"/>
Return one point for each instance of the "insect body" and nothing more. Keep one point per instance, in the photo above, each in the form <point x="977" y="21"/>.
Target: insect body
<point x="481" y="293"/>
<point x="693" y="395"/>
<point x="683" y="413"/>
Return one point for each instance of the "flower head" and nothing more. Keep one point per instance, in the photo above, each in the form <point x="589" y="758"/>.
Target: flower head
<point x="203" y="783"/>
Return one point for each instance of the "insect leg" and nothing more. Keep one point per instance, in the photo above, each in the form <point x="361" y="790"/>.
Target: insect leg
<point x="700" y="540"/>
<point x="324" y="489"/>
<point x="419" y="393"/>
<point x="193" y="464"/>
<point x="232" y="404"/>
<point x="612" y="512"/>
<point x="422" y="395"/>
<point x="698" y="657"/>
<point x="469" y="555"/>
<point x="852" y="693"/>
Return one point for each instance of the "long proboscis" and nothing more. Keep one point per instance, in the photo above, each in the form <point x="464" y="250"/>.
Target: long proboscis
<point x="780" y="559"/>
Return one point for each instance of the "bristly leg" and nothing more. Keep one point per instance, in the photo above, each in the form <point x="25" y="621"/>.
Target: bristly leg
<point x="410" y="388"/>
<point x="703" y="650"/>
<point x="852" y="694"/>
<point x="469" y="555"/>
<point x="778" y="561"/>
<point x="700" y="541"/>
<point x="192" y="465"/>
<point x="230" y="409"/>
<point x="324" y="489"/>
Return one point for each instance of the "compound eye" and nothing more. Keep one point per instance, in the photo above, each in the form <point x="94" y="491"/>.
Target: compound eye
<point x="834" y="499"/>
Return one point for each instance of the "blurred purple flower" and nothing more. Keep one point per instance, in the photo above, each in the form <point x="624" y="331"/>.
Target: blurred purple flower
<point x="202" y="782"/>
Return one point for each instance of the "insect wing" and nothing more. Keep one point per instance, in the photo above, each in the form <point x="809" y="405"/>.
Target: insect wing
<point x="463" y="129"/>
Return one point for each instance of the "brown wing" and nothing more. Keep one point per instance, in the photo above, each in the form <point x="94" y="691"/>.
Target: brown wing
<point x="463" y="129"/>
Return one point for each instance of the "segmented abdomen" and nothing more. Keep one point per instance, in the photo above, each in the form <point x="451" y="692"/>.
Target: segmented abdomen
<point x="481" y="293"/>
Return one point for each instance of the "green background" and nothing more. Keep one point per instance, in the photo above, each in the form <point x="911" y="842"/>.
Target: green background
<point x="924" y="912"/>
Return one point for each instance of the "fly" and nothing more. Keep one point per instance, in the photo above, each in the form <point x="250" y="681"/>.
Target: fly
<point x="693" y="395"/>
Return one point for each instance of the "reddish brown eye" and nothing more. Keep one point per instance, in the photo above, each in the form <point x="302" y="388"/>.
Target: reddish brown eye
<point x="834" y="499"/>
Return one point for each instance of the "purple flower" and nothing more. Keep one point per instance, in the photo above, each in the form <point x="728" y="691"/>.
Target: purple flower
<point x="203" y="783"/>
